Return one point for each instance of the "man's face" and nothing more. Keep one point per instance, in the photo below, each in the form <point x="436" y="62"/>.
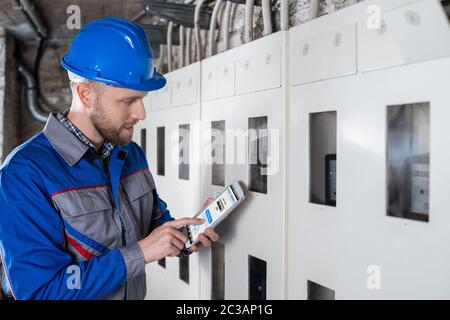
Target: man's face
<point x="116" y="111"/>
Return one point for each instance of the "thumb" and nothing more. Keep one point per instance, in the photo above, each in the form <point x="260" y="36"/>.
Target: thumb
<point x="208" y="201"/>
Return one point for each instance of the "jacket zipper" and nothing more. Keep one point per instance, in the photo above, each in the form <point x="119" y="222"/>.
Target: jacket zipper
<point x="111" y="198"/>
<point x="123" y="231"/>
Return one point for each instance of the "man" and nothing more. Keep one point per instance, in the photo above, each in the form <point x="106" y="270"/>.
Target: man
<point x="79" y="212"/>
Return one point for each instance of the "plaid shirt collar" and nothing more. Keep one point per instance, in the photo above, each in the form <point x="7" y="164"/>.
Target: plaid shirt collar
<point x="107" y="146"/>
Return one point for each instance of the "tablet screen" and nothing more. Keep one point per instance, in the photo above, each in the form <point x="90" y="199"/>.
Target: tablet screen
<point x="215" y="210"/>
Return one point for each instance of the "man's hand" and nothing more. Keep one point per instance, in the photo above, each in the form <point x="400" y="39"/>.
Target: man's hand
<point x="166" y="240"/>
<point x="208" y="235"/>
<point x="205" y="240"/>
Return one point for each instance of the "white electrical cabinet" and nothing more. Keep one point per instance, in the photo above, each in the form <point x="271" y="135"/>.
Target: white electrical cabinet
<point x="407" y="32"/>
<point x="366" y="172"/>
<point x="172" y="127"/>
<point x="337" y="129"/>
<point x="405" y="231"/>
<point x="243" y="109"/>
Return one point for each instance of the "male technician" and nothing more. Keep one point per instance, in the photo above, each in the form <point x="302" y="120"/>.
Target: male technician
<point x="79" y="212"/>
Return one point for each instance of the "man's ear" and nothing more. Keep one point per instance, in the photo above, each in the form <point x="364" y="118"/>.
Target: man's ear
<point x="86" y="94"/>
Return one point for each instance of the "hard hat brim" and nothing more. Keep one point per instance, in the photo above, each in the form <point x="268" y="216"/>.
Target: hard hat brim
<point x="157" y="82"/>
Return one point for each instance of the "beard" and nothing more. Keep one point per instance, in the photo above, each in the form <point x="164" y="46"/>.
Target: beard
<point x="105" y="126"/>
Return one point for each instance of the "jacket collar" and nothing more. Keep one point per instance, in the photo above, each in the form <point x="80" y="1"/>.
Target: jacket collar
<point x="64" y="142"/>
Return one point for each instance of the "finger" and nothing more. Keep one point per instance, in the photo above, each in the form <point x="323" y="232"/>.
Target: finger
<point x="194" y="248"/>
<point x="174" y="251"/>
<point x="208" y="201"/>
<point x="198" y="246"/>
<point x="211" y="234"/>
<point x="178" y="243"/>
<point x="204" y="240"/>
<point x="184" y="222"/>
<point x="177" y="234"/>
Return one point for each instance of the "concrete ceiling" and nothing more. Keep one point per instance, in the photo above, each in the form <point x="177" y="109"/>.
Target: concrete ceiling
<point x="54" y="16"/>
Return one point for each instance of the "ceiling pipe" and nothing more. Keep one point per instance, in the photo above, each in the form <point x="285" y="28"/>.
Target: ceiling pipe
<point x="32" y="94"/>
<point x="158" y="34"/>
<point x="188" y="45"/>
<point x="198" y="39"/>
<point x="169" y="46"/>
<point x="27" y="7"/>
<point x="39" y="108"/>
<point x="181" y="46"/>
<point x="227" y="20"/>
<point x="314" y="9"/>
<point x="212" y="28"/>
<point x="220" y="15"/>
<point x="220" y="20"/>
<point x="267" y="17"/>
<point x="162" y="54"/>
<point x="248" y="23"/>
<point x="284" y="13"/>
<point x="179" y="13"/>
<point x="139" y="15"/>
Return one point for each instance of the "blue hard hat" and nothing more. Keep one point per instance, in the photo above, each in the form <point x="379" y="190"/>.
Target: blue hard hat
<point x="116" y="52"/>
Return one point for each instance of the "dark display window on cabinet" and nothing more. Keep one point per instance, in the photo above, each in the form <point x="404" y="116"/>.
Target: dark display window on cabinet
<point x="322" y="158"/>
<point x="218" y="271"/>
<point x="161" y="151"/>
<point x="218" y="153"/>
<point x="408" y="161"/>
<point x="162" y="262"/>
<point x="258" y="144"/>
<point x="183" y="144"/>
<point x="144" y="141"/>
<point x="257" y="278"/>
<point x="184" y="268"/>
<point x="319" y="292"/>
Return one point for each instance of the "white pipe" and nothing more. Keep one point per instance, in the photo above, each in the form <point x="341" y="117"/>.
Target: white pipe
<point x="188" y="46"/>
<point x="198" y="39"/>
<point x="181" y="46"/>
<point x="220" y="19"/>
<point x="314" y="9"/>
<point x="284" y="13"/>
<point x="162" y="54"/>
<point x="220" y="15"/>
<point x="212" y="28"/>
<point x="169" y="46"/>
<point x="248" y="23"/>
<point x="226" y="24"/>
<point x="267" y="18"/>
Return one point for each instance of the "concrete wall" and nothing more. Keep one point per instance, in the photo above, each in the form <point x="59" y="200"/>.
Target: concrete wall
<point x="53" y="79"/>
<point x="9" y="99"/>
